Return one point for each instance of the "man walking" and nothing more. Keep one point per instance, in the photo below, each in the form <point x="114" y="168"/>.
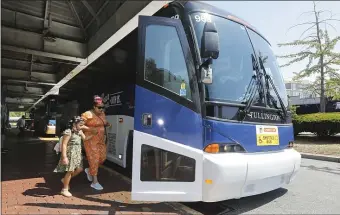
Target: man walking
<point x="21" y="126"/>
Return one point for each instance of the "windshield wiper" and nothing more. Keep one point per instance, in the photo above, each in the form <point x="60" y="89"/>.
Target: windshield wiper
<point x="251" y="91"/>
<point x="255" y="83"/>
<point x="270" y="98"/>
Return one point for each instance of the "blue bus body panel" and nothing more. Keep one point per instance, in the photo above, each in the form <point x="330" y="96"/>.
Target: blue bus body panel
<point x="181" y="124"/>
<point x="245" y="134"/>
<point x="185" y="126"/>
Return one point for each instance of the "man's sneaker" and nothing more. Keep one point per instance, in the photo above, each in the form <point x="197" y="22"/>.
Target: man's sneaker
<point x="89" y="177"/>
<point x="65" y="193"/>
<point x="97" y="186"/>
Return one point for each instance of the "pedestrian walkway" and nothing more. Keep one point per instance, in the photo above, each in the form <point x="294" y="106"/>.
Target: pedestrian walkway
<point x="29" y="186"/>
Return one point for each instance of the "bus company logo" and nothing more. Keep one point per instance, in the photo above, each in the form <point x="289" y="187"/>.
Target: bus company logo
<point x="265" y="116"/>
<point x="111" y="99"/>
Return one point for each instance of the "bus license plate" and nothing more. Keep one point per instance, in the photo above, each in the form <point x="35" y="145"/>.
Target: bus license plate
<point x="267" y="135"/>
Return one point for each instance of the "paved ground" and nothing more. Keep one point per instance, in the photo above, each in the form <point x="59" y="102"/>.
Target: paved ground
<point x="316" y="190"/>
<point x="29" y="186"/>
<point x="310" y="143"/>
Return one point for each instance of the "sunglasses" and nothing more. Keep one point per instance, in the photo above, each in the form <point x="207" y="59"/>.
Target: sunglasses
<point x="100" y="107"/>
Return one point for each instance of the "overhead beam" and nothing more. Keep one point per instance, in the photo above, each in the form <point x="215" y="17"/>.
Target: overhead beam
<point x="19" y="103"/>
<point x="97" y="14"/>
<point x="29" y="82"/>
<point x="25" y="65"/>
<point x="47" y="16"/>
<point x="148" y="10"/>
<point x="35" y="41"/>
<point x="22" y="74"/>
<point x="41" y="53"/>
<point x="15" y="107"/>
<point x="12" y="100"/>
<point x="76" y="16"/>
<point x="23" y="85"/>
<point x="90" y="9"/>
<point x="118" y="19"/>
<point x="31" y="66"/>
<point x="23" y="95"/>
<point x="37" y="24"/>
<point x="23" y="89"/>
<point x="19" y="91"/>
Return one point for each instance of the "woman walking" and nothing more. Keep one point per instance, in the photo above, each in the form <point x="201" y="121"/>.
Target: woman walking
<point x="71" y="160"/>
<point x="95" y="147"/>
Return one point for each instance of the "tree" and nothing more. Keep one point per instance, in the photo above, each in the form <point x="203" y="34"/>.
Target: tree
<point x="318" y="48"/>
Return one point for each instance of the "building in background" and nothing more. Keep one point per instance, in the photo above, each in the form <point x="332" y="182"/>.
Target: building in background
<point x="299" y="95"/>
<point x="306" y="100"/>
<point x="299" y="89"/>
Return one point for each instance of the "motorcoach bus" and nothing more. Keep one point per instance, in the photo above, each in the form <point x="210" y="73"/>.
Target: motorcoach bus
<point x="198" y="106"/>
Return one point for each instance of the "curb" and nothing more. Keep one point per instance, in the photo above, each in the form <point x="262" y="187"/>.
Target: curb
<point x="321" y="157"/>
<point x="180" y="208"/>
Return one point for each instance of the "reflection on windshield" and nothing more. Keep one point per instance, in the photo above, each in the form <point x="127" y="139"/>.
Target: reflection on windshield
<point x="233" y="69"/>
<point x="264" y="51"/>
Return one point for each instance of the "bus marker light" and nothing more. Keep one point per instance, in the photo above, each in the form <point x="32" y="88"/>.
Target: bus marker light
<point x="208" y="181"/>
<point x="212" y="148"/>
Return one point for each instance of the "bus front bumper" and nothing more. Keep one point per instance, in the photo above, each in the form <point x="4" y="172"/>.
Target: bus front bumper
<point x="237" y="175"/>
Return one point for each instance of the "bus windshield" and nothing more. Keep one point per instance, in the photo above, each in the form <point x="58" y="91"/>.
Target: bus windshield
<point x="233" y="70"/>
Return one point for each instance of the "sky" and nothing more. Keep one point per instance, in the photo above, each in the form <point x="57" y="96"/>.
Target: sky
<point x="274" y="18"/>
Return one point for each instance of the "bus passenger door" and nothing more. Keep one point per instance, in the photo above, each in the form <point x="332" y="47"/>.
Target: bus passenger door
<point x="167" y="143"/>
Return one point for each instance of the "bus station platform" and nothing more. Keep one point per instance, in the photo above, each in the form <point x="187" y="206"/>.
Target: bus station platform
<point x="29" y="185"/>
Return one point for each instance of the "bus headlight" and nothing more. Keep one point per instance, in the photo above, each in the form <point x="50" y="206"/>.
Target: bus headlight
<point x="223" y="148"/>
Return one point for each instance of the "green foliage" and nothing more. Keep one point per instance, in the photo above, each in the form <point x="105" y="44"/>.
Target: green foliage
<point x="318" y="117"/>
<point x="313" y="52"/>
<point x="16" y="114"/>
<point x="333" y="88"/>
<point x="293" y="111"/>
<point x="322" y="124"/>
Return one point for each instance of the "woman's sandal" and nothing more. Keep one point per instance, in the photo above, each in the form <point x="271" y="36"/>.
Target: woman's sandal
<point x="65" y="193"/>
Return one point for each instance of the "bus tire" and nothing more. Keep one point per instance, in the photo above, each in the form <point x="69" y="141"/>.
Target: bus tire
<point x="129" y="153"/>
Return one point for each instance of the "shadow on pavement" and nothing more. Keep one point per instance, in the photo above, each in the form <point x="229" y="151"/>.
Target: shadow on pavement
<point x="237" y="206"/>
<point x="29" y="166"/>
<point x="323" y="169"/>
<point x="250" y="203"/>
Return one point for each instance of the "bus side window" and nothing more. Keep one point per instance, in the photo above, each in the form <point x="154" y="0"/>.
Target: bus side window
<point x="165" y="63"/>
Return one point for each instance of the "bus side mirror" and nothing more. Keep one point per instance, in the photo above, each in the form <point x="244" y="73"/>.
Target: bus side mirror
<point x="210" y="45"/>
